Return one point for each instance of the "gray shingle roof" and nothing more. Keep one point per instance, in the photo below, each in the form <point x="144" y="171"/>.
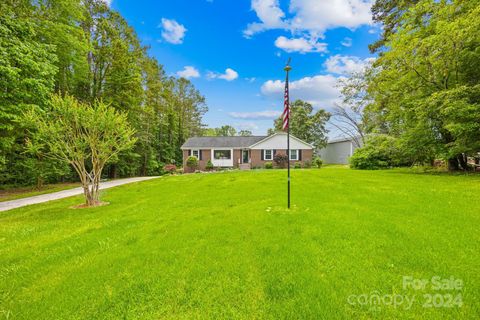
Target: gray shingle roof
<point x="221" y="142"/>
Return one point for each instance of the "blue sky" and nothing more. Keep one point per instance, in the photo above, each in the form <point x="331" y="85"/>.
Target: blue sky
<point x="234" y="51"/>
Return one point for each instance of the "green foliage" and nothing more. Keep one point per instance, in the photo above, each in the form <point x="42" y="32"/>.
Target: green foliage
<point x="85" y="136"/>
<point x="192" y="162"/>
<point x="27" y="72"/>
<point x="280" y="160"/>
<point x="268" y="165"/>
<point x="306" y="124"/>
<point x="297" y="165"/>
<point x="307" y="164"/>
<point x="245" y="133"/>
<point x="379" y="152"/>
<point x="317" y="162"/>
<point x="86" y="50"/>
<point x="425" y="88"/>
<point x="209" y="165"/>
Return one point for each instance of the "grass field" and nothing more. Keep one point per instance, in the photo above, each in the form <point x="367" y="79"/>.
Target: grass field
<point x="222" y="246"/>
<point x="18" y="193"/>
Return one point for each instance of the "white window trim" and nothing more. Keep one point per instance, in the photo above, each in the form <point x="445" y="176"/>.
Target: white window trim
<point x="292" y="159"/>
<point x="198" y="150"/>
<point x="265" y="155"/>
<point x="222" y="149"/>
<point x="223" y="162"/>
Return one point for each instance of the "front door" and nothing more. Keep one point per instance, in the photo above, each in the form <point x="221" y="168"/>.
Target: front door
<point x="245" y="156"/>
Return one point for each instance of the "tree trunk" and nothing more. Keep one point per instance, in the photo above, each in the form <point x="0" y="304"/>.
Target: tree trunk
<point x="453" y="164"/>
<point x="463" y="161"/>
<point x="39" y="183"/>
<point x="459" y="162"/>
<point x="113" y="172"/>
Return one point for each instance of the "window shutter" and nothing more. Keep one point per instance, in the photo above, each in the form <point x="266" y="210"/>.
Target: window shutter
<point x="189" y="152"/>
<point x="200" y="154"/>
<point x="263" y="154"/>
<point x="274" y="152"/>
<point x="299" y="155"/>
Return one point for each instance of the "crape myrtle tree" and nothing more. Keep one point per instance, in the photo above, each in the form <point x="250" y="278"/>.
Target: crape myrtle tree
<point x="86" y="136"/>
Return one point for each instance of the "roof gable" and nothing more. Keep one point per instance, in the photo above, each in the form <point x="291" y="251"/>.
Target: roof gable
<point x="279" y="141"/>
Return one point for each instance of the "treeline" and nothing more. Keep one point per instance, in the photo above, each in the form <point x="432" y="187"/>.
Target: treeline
<point x="420" y="101"/>
<point x="84" y="49"/>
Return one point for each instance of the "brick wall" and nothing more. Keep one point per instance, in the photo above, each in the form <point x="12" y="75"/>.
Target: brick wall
<point x="206" y="155"/>
<point x="257" y="161"/>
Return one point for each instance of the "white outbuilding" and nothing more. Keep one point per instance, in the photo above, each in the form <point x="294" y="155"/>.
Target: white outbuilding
<point x="338" y="151"/>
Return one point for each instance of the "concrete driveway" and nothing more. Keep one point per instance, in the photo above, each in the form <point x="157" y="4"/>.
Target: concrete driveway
<point x="8" y="205"/>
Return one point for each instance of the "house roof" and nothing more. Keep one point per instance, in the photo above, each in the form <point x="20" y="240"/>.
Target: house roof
<point x="341" y="139"/>
<point x="221" y="142"/>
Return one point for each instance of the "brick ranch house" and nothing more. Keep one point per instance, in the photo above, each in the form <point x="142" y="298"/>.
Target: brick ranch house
<point x="244" y="152"/>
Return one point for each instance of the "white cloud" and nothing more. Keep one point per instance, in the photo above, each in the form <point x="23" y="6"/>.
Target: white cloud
<point x="172" y="32"/>
<point x="269" y="14"/>
<point x="347" y="42"/>
<point x="318" y="16"/>
<point x="229" y="75"/>
<point x="313" y="17"/>
<point x="346" y="64"/>
<point x="267" y="114"/>
<point x="188" y="72"/>
<point x="320" y="91"/>
<point x="301" y="45"/>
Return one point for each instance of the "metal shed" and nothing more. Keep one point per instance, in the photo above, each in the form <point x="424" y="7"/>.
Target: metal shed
<point x="338" y="151"/>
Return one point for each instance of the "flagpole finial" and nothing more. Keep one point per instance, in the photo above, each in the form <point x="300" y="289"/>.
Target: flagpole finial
<point x="288" y="67"/>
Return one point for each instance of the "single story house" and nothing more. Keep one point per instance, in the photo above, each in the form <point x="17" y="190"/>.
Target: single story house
<point x="244" y="152"/>
<point x="338" y="151"/>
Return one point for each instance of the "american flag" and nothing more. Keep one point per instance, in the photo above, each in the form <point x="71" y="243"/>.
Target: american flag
<point x="286" y="110"/>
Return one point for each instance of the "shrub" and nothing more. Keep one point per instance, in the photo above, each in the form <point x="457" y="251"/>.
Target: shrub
<point x="209" y="165"/>
<point x="379" y="152"/>
<point x="192" y="162"/>
<point x="179" y="171"/>
<point x="170" y="168"/>
<point x="317" y="162"/>
<point x="280" y="160"/>
<point x="307" y="164"/>
<point x="268" y="165"/>
<point x="298" y="165"/>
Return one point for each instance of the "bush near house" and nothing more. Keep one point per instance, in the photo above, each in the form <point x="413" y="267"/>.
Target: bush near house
<point x="192" y="162"/>
<point x="307" y="164"/>
<point x="317" y="162"/>
<point x="209" y="166"/>
<point x="280" y="160"/>
<point x="170" y="168"/>
<point x="298" y="165"/>
<point x="268" y="165"/>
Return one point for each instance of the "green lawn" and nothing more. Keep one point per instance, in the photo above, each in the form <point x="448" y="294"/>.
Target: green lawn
<point x="18" y="193"/>
<point x="214" y="246"/>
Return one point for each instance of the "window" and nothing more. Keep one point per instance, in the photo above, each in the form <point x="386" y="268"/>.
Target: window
<point x="222" y="154"/>
<point x="293" y="154"/>
<point x="196" y="153"/>
<point x="268" y="154"/>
